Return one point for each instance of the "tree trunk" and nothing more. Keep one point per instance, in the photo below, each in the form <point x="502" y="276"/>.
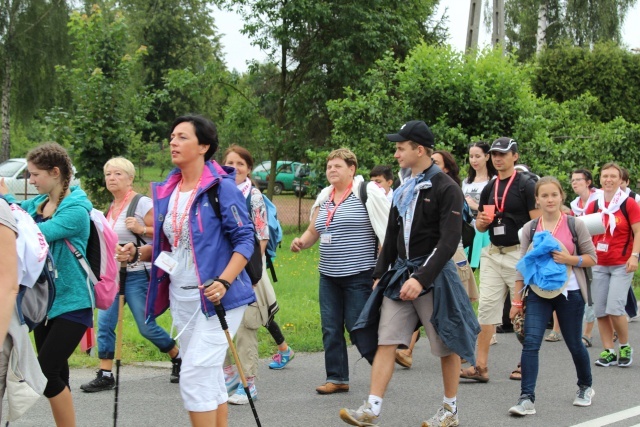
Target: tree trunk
<point x="542" y="27"/>
<point x="6" y="98"/>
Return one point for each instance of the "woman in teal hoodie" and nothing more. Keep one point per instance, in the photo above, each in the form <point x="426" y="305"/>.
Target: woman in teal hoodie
<point x="62" y="213"/>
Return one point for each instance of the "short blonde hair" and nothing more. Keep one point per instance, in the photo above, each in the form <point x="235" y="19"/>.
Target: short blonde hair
<point x="345" y="154"/>
<point x="121" y="163"/>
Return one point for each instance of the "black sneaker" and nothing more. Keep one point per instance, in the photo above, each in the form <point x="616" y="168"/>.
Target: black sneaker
<point x="175" y="370"/>
<point x="100" y="383"/>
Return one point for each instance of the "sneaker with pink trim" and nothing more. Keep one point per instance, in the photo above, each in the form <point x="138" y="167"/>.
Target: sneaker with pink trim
<point x="281" y="359"/>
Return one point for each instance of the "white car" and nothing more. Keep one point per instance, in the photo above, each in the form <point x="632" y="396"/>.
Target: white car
<point x="16" y="177"/>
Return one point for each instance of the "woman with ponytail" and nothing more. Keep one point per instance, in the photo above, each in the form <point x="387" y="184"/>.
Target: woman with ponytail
<point x="62" y="213"/>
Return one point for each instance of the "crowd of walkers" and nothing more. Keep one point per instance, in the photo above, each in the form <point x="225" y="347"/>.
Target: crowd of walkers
<point x="397" y="256"/>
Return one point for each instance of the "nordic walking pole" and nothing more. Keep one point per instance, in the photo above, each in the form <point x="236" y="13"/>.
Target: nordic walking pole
<point x="225" y="327"/>
<point x="123" y="279"/>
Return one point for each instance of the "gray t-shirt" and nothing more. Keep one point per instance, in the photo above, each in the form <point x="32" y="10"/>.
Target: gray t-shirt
<point x="6" y="217"/>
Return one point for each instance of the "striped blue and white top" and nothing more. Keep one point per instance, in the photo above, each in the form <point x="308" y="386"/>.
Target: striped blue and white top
<point x="352" y="246"/>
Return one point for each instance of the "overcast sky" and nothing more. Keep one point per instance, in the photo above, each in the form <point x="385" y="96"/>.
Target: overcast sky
<point x="238" y="49"/>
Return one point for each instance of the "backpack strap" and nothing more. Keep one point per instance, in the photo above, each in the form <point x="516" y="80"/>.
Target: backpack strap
<point x="212" y="193"/>
<point x="625" y="213"/>
<point x="571" y="222"/>
<point x="362" y="192"/>
<point x="131" y="211"/>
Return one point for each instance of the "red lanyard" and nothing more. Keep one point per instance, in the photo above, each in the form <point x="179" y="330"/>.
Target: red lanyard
<point x="177" y="228"/>
<point x="555" y="229"/>
<point x="331" y="212"/>
<point x="504" y="194"/>
<point x="113" y="217"/>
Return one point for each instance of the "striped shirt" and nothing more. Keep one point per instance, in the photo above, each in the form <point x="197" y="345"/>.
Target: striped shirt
<point x="353" y="247"/>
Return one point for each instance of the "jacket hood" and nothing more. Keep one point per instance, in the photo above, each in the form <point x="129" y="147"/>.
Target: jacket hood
<point x="76" y="197"/>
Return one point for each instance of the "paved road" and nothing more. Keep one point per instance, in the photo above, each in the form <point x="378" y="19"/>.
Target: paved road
<point x="287" y="398"/>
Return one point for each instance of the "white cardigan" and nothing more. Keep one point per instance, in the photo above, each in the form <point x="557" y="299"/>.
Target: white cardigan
<point x="378" y="206"/>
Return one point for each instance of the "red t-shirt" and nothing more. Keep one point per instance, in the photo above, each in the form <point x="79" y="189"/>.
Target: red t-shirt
<point x="622" y="234"/>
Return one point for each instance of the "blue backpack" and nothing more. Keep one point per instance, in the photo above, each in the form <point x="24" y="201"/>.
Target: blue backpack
<point x="275" y="234"/>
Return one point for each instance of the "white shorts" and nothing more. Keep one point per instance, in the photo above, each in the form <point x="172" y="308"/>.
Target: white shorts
<point x="203" y="346"/>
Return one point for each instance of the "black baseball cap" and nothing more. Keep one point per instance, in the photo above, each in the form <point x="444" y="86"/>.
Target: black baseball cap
<point x="416" y="131"/>
<point x="504" y="145"/>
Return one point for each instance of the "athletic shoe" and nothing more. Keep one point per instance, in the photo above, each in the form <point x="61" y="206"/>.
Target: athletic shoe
<point x="445" y="417"/>
<point x="607" y="358"/>
<point x="99" y="383"/>
<point x="524" y="407"/>
<point x="625" y="358"/>
<point x="240" y="396"/>
<point x="363" y="416"/>
<point x="281" y="359"/>
<point x="175" y="370"/>
<point x="583" y="396"/>
<point x="231" y="379"/>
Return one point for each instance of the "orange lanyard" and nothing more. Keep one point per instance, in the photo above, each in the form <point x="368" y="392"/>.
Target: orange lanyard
<point x="177" y="228"/>
<point x="113" y="217"/>
<point x="504" y="194"/>
<point x="555" y="229"/>
<point x="331" y="212"/>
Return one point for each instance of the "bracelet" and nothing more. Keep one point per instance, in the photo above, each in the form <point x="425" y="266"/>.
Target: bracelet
<point x="579" y="261"/>
<point x="224" y="282"/>
<point x="144" y="230"/>
<point x="518" y="304"/>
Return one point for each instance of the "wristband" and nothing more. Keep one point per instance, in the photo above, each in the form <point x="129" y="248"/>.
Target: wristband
<point x="136" y="258"/>
<point x="224" y="282"/>
<point x="579" y="261"/>
<point x="636" y="254"/>
<point x="144" y="230"/>
<point x="518" y="304"/>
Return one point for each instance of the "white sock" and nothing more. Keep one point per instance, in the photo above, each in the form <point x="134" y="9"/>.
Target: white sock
<point x="624" y="345"/>
<point x="612" y="350"/>
<point x="451" y="401"/>
<point x="376" y="404"/>
<point x="106" y="373"/>
<point x="177" y="355"/>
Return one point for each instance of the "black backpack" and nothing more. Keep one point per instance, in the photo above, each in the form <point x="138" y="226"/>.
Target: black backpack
<point x="254" y="265"/>
<point x="571" y="222"/>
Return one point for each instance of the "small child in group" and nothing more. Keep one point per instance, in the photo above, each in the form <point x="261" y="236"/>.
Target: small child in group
<point x="384" y="177"/>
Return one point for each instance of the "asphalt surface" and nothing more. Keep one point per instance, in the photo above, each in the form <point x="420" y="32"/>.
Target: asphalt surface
<point x="288" y="398"/>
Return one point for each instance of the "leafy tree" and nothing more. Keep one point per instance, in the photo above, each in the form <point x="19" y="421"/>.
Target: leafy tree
<point x="580" y="22"/>
<point x="107" y="110"/>
<point x="466" y="98"/>
<point x="179" y="35"/>
<point x="32" y="41"/>
<point x="610" y="73"/>
<point x="322" y="47"/>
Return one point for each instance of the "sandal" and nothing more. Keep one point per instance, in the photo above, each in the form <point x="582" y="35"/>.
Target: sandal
<point x="516" y="374"/>
<point x="587" y="341"/>
<point x="553" y="337"/>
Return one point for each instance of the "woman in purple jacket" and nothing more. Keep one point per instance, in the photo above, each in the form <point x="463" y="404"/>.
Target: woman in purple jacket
<point x="192" y="244"/>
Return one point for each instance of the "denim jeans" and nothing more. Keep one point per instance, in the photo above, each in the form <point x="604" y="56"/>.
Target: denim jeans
<point x="341" y="301"/>
<point x="538" y="313"/>
<point x="135" y="294"/>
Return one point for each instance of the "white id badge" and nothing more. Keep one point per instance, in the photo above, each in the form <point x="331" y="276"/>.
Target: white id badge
<point x="166" y="262"/>
<point x="498" y="230"/>
<point x="325" y="238"/>
<point x="602" y="247"/>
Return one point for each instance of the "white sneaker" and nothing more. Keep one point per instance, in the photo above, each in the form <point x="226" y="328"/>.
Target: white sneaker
<point x="240" y="396"/>
<point x="583" y="396"/>
<point x="524" y="407"/>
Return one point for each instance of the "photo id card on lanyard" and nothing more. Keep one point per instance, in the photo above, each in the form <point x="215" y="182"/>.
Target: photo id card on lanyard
<point x="325" y="236"/>
<point x="499" y="229"/>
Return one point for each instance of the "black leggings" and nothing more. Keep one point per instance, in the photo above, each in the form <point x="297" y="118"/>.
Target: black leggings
<point x="55" y="342"/>
<point x="275" y="332"/>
